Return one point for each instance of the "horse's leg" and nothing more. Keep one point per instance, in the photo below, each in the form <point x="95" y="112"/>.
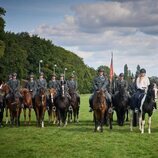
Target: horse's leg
<point x="6" y="114"/>
<point x="69" y="115"/>
<point x="95" y="122"/>
<point x="43" y="113"/>
<point x="37" y="117"/>
<point x="64" y="120"/>
<point x="29" y="116"/>
<point x="131" y="120"/>
<point x="143" y="122"/>
<point x="24" y="115"/>
<point x="149" y="124"/>
<point x="102" y="121"/>
<point x="74" y="113"/>
<point x="78" y="108"/>
<point x="19" y="112"/>
<point x="140" y="121"/>
<point x="110" y="116"/>
<point x="127" y="115"/>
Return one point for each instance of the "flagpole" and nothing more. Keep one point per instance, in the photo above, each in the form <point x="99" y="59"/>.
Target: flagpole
<point x="111" y="72"/>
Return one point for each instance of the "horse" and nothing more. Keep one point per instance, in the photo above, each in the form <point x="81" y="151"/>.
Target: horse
<point x="40" y="106"/>
<point x="52" y="107"/>
<point x="27" y="102"/>
<point x="121" y="101"/>
<point x="13" y="104"/>
<point x="147" y="105"/>
<point x="62" y="104"/>
<point x="74" y="106"/>
<point x="99" y="108"/>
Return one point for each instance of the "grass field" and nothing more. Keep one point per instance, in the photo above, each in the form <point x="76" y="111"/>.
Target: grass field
<point x="78" y="140"/>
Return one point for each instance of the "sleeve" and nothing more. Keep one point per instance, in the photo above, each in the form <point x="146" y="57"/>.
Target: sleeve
<point x="95" y="86"/>
<point x="45" y="86"/>
<point x="126" y="85"/>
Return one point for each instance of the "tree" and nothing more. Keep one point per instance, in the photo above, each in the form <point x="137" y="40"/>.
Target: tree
<point x="126" y="72"/>
<point x="2" y="25"/>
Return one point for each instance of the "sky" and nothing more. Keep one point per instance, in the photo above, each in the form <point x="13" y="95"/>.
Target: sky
<point x="93" y="29"/>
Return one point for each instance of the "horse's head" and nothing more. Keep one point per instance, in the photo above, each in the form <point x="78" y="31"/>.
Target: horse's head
<point x="100" y="95"/>
<point x="5" y="88"/>
<point x="151" y="91"/>
<point x="52" y="93"/>
<point x="121" y="90"/>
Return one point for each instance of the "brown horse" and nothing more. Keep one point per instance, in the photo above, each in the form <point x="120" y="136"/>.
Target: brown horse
<point x="40" y="106"/>
<point x="52" y="107"/>
<point x="99" y="107"/>
<point x="75" y="106"/>
<point x="27" y="101"/>
<point x="13" y="104"/>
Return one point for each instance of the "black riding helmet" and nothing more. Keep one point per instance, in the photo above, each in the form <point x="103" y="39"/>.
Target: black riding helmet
<point x="142" y="70"/>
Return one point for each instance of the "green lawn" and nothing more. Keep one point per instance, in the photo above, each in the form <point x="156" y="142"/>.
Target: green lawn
<point x="78" y="140"/>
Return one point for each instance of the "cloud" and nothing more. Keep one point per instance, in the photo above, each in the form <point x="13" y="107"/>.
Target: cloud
<point x="94" y="30"/>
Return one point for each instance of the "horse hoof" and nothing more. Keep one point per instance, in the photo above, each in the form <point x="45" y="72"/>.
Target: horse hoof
<point x="98" y="128"/>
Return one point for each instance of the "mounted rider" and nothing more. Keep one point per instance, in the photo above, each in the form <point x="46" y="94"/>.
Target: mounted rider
<point x="63" y="86"/>
<point x="15" y="87"/>
<point x="142" y="83"/>
<point x="41" y="82"/>
<point x="53" y="83"/>
<point x="32" y="87"/>
<point x="121" y="82"/>
<point x="100" y="82"/>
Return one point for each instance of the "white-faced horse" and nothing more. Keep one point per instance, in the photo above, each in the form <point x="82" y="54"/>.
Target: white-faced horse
<point x="147" y="105"/>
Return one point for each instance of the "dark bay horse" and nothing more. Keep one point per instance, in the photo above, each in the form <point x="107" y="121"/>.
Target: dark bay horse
<point x="52" y="112"/>
<point x="27" y="101"/>
<point x="121" y="101"/>
<point x="13" y="104"/>
<point x="147" y="105"/>
<point x="75" y="104"/>
<point x="40" y="106"/>
<point x="99" y="107"/>
<point x="62" y="104"/>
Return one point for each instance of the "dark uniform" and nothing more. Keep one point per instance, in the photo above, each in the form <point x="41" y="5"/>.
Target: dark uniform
<point x="41" y="82"/>
<point x="100" y="82"/>
<point x="15" y="86"/>
<point x="72" y="84"/>
<point x="63" y="84"/>
<point x="10" y="79"/>
<point x="53" y="83"/>
<point x="132" y="86"/>
<point x="32" y="86"/>
<point x="121" y="83"/>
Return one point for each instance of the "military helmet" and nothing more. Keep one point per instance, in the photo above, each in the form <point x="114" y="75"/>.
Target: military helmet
<point x="142" y="70"/>
<point x="31" y="76"/>
<point x="61" y="75"/>
<point x="14" y="74"/>
<point x="72" y="76"/>
<point x="121" y="75"/>
<point x="10" y="75"/>
<point x="41" y="74"/>
<point x="53" y="75"/>
<point x="100" y="70"/>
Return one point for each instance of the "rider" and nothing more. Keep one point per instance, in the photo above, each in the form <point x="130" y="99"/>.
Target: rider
<point x="32" y="87"/>
<point x="42" y="83"/>
<point x="121" y="82"/>
<point x="142" y="83"/>
<point x="9" y="80"/>
<point x="63" y="84"/>
<point x="72" y="85"/>
<point x="53" y="83"/>
<point x="132" y="86"/>
<point x="100" y="82"/>
<point x="15" y="86"/>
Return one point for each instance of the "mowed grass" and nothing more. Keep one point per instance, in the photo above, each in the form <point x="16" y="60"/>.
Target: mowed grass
<point x="78" y="140"/>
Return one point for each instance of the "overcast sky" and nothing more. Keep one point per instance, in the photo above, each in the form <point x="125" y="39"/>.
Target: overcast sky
<point x="93" y="29"/>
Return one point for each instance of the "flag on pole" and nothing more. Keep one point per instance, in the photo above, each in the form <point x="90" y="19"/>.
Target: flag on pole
<point x="111" y="68"/>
